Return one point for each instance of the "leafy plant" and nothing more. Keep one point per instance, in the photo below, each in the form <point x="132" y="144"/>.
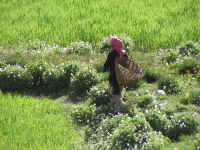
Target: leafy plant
<point x="70" y="70"/>
<point x="98" y="94"/>
<point x="82" y="81"/>
<point x="182" y="123"/>
<point x="144" y="101"/>
<point x="171" y="56"/>
<point x="194" y="97"/>
<point x="151" y="75"/>
<point x="169" y="84"/>
<point x="83" y="114"/>
<point x="157" y="120"/>
<point x="2" y="64"/>
<point x="188" y="65"/>
<point x="51" y="78"/>
<point x="36" y="69"/>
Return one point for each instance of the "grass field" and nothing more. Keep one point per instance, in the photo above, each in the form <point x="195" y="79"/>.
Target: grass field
<point x="28" y="123"/>
<point x="151" y="24"/>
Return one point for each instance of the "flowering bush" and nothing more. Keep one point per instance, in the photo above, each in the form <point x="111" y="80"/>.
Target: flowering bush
<point x="82" y="81"/>
<point x="182" y="123"/>
<point x="79" y="48"/>
<point x="15" y="78"/>
<point x="189" y="48"/>
<point x="70" y="70"/>
<point x="98" y="94"/>
<point x="36" y="69"/>
<point x="50" y="77"/>
<point x="136" y="133"/>
<point x="157" y="120"/>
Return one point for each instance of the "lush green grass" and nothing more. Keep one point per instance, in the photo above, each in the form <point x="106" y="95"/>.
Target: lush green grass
<point x="28" y="123"/>
<point x="152" y="24"/>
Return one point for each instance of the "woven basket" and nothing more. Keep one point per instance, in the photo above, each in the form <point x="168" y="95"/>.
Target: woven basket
<point x="128" y="72"/>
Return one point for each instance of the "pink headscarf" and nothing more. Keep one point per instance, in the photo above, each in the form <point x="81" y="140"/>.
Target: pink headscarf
<point x="117" y="44"/>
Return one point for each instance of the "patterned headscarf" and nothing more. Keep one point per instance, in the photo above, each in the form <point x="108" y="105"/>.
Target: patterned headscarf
<point x="117" y="44"/>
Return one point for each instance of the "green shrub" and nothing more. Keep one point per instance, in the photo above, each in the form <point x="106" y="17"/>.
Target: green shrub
<point x="171" y="56"/>
<point x="157" y="120"/>
<point x="151" y="75"/>
<point x="188" y="65"/>
<point x="136" y="133"/>
<point x="79" y="48"/>
<point x="2" y="64"/>
<point x="83" y="114"/>
<point x="36" y="69"/>
<point x="189" y="48"/>
<point x="50" y="77"/>
<point x="195" y="97"/>
<point x="198" y="76"/>
<point x="69" y="71"/>
<point x="182" y="123"/>
<point x="82" y="81"/>
<point x="98" y="94"/>
<point x="144" y="101"/>
<point x="108" y="126"/>
<point x="169" y="84"/>
<point x="169" y="112"/>
<point x="15" y="78"/>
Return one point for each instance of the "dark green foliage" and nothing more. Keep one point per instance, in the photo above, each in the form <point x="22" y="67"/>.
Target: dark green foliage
<point x="2" y="64"/>
<point x="151" y="75"/>
<point x="188" y="65"/>
<point x="50" y="78"/>
<point x="195" y="97"/>
<point x="69" y="71"/>
<point x="15" y="78"/>
<point x="158" y="121"/>
<point x="36" y="69"/>
<point x="169" y="84"/>
<point x="144" y="101"/>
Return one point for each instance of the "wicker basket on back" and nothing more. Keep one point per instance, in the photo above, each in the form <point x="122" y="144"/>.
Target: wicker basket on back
<point x="128" y="72"/>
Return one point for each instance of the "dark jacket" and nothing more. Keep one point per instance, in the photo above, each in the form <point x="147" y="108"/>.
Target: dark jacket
<point x="110" y="63"/>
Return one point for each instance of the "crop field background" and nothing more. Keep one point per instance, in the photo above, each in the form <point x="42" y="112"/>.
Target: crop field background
<point x="152" y="24"/>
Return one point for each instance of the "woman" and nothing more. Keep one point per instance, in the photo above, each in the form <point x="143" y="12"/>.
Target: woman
<point x="115" y="90"/>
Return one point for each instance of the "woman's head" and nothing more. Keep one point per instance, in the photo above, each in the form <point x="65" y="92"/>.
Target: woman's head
<point x="117" y="44"/>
